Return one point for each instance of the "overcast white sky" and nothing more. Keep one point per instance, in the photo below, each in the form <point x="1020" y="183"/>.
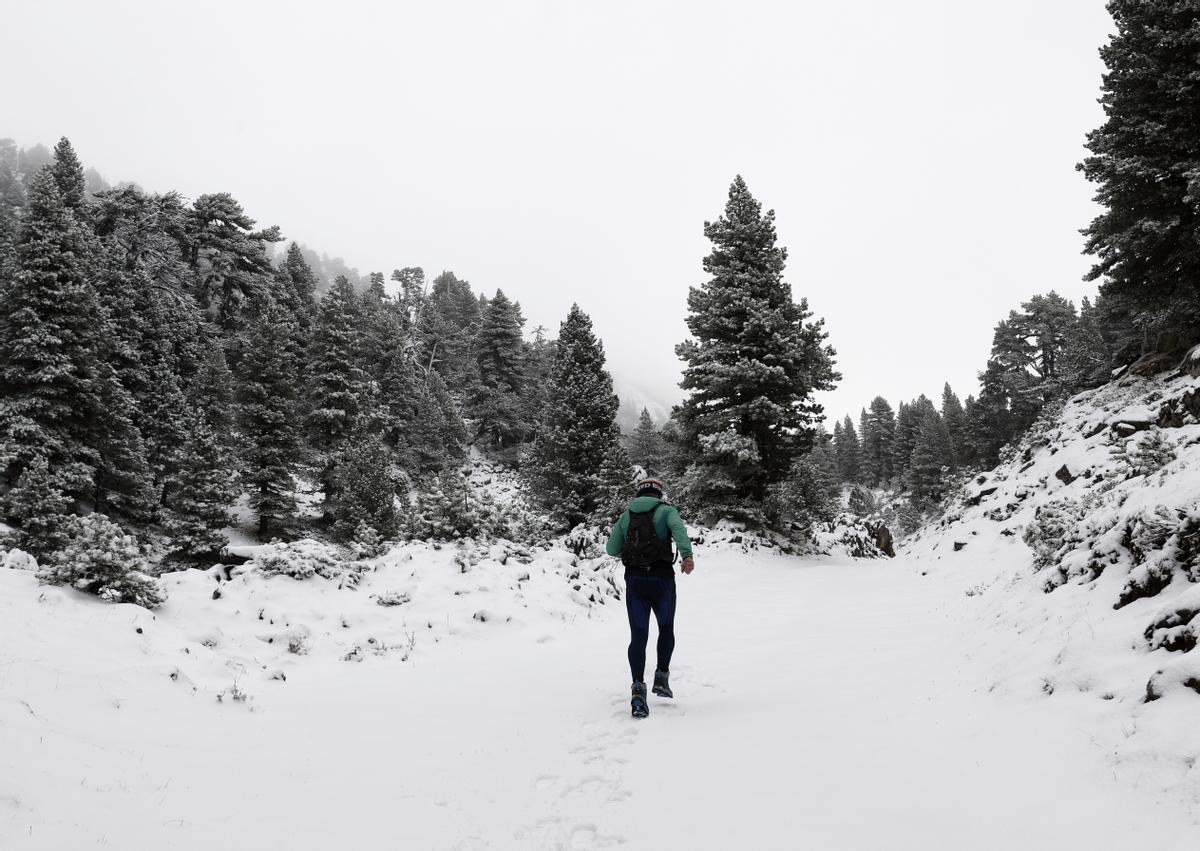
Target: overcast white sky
<point x="919" y="156"/>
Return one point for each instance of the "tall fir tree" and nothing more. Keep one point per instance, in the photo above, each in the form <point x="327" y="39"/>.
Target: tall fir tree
<point x="266" y="405"/>
<point x="338" y="384"/>
<point x="49" y="346"/>
<point x="1145" y="160"/>
<point x="576" y="466"/>
<point x="931" y="461"/>
<point x="198" y="509"/>
<point x="848" y="451"/>
<point x="495" y="402"/>
<point x="645" y="445"/>
<point x="752" y="365"/>
<point x="879" y="439"/>
<point x="955" y="419"/>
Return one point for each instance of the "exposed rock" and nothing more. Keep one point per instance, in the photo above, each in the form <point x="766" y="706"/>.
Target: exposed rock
<point x="883" y="540"/>
<point x="1064" y="475"/>
<point x="1096" y="429"/>
<point x="1152" y="363"/>
<point x="1179" y="412"/>
<point x="958" y="545"/>
<point x="1124" y="428"/>
<point x="978" y="498"/>
<point x="1191" y="362"/>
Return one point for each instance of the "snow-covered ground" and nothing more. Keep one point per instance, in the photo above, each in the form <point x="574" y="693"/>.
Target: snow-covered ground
<point x="1084" y="554"/>
<point x="821" y="703"/>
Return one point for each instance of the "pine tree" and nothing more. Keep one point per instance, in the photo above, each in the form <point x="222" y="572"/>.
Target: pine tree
<point x="266" y="416"/>
<point x="338" y="384"/>
<point x="752" y="365"/>
<point x="367" y="493"/>
<point x="68" y="175"/>
<point x="848" y="451"/>
<point x="931" y="459"/>
<point x="879" y="438"/>
<point x="1144" y="162"/>
<point x="576" y="464"/>
<point x="955" y="419"/>
<point x="49" y="346"/>
<point x="495" y="403"/>
<point x="39" y="504"/>
<point x="1088" y="350"/>
<point x="233" y="272"/>
<point x="645" y="445"/>
<point x="199" y="506"/>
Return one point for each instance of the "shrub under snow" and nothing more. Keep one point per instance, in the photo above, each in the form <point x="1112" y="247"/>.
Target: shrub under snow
<point x="99" y="558"/>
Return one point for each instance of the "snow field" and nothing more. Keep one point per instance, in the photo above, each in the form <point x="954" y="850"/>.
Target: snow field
<point x="821" y="703"/>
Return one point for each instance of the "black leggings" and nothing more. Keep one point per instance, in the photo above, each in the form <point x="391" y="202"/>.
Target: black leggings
<point x="644" y="594"/>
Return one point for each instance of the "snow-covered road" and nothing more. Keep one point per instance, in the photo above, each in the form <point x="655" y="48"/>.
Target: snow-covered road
<point x="819" y="705"/>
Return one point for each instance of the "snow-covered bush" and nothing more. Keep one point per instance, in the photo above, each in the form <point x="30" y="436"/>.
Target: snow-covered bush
<point x="846" y="534"/>
<point x="301" y="559"/>
<point x="99" y="558"/>
<point x="454" y="508"/>
<point x="1146" y="453"/>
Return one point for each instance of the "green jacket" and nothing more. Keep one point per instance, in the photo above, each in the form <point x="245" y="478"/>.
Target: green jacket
<point x="667" y="523"/>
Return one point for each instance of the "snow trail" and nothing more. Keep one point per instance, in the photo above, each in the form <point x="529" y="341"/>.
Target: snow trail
<point x="819" y="705"/>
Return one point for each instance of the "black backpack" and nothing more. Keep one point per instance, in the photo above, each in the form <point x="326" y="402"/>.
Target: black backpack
<point x="643" y="548"/>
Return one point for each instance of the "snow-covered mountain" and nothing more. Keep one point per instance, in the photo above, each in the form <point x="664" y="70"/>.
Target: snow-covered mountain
<point x="1084" y="548"/>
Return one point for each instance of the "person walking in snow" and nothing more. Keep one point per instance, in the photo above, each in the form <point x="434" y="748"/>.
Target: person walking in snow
<point x="642" y="538"/>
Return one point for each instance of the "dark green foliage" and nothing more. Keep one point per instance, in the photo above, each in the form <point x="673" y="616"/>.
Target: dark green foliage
<point x="198" y="509"/>
<point x="752" y="365"/>
<point x="68" y="175"/>
<point x="848" y="451"/>
<point x="645" y="446"/>
<point x="233" y="272"/>
<point x="955" y="418"/>
<point x="50" y="346"/>
<point x="495" y="402"/>
<point x="266" y="405"/>
<point x="39" y="505"/>
<point x="576" y="466"/>
<point x="366" y="493"/>
<point x="1146" y="164"/>
<point x="878" y="441"/>
<point x="812" y="491"/>
<point x="932" y="459"/>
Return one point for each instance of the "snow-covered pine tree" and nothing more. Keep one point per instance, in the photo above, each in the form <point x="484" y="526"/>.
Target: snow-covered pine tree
<point x="812" y="491"/>
<point x="576" y="465"/>
<point x="39" y="504"/>
<point x="495" y="402"/>
<point x="878" y="439"/>
<point x="645" y="446"/>
<point x="366" y="492"/>
<point x="266" y="403"/>
<point x="955" y="419"/>
<point x="68" y="175"/>
<point x="338" y="384"/>
<point x="752" y="365"/>
<point x="202" y="491"/>
<point x="49" y="346"/>
<point x="1144" y="162"/>
<point x="848" y="451"/>
<point x="229" y="258"/>
<point x="931" y="461"/>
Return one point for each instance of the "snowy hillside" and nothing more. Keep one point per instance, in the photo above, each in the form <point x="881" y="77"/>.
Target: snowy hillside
<point x="1083" y="550"/>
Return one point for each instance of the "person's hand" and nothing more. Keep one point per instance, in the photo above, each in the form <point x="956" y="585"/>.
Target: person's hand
<point x="688" y="565"/>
